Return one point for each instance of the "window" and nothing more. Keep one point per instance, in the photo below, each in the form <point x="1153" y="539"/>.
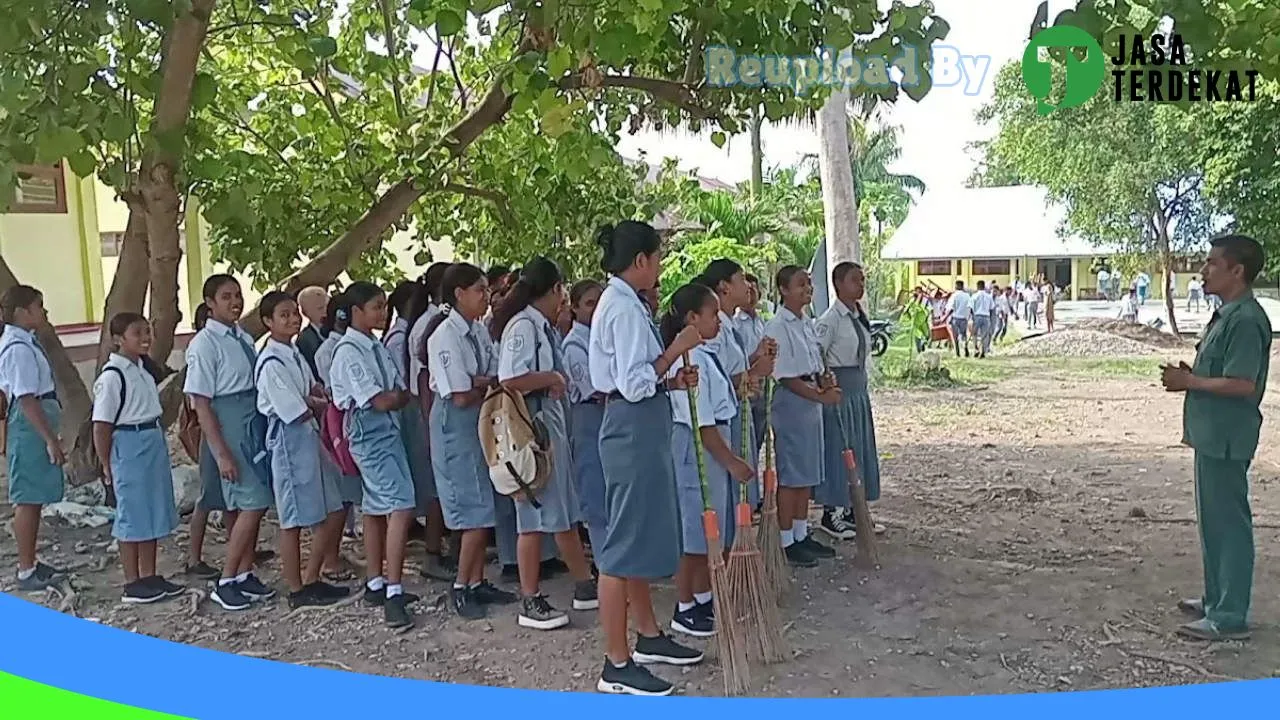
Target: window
<point x="41" y="189"/>
<point x="933" y="267"/>
<point x="111" y="242"/>
<point x="990" y="267"/>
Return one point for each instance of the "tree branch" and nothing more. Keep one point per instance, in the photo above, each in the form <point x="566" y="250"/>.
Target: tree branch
<point x="389" y="31"/>
<point x="435" y="65"/>
<point x="675" y="93"/>
<point x="249" y="23"/>
<point x="254" y="133"/>
<point x="453" y="68"/>
<point x="501" y="203"/>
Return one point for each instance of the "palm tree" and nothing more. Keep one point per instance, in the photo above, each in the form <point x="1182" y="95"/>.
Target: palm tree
<point x="872" y="149"/>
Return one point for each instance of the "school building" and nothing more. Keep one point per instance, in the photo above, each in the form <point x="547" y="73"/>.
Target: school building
<point x="1000" y="235"/>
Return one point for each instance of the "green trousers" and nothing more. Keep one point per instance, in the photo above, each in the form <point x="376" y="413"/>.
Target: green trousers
<point x="1226" y="539"/>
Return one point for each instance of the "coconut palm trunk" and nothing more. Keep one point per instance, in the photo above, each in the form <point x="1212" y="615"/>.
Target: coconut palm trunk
<point x="839" y="202"/>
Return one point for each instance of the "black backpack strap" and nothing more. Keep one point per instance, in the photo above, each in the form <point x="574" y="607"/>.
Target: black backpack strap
<point x="124" y="391"/>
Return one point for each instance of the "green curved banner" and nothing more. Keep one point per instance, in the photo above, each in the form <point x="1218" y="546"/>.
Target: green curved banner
<point x="21" y="699"/>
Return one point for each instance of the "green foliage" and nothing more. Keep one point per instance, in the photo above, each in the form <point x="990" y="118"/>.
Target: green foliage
<point x="683" y="265"/>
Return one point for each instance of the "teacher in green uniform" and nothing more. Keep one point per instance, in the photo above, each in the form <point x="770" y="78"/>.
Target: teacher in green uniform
<point x="1220" y="421"/>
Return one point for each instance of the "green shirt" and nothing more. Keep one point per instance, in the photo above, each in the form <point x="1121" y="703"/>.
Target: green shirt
<point x="1236" y="344"/>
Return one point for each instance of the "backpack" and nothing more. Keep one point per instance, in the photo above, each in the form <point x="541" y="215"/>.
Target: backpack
<point x="517" y="448"/>
<point x="189" y="433"/>
<point x="333" y="438"/>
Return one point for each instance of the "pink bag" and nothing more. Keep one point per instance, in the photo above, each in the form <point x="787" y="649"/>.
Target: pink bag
<point x="333" y="437"/>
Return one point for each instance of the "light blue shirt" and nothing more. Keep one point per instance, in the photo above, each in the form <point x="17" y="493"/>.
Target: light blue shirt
<point x="397" y="342"/>
<point x="362" y="369"/>
<point x="624" y="344"/>
<point x="24" y="366"/>
<point x="220" y="361"/>
<point x="416" y="335"/>
<point x="750" y="331"/>
<point x="284" y="381"/>
<point x="324" y="356"/>
<point x="141" y="397"/>
<point x="798" y="351"/>
<point x="727" y="347"/>
<point x="526" y="345"/>
<point x="577" y="358"/>
<point x="717" y="402"/>
<point x="457" y="352"/>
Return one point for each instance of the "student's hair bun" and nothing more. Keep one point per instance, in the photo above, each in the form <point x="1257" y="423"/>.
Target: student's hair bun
<point x="604" y="237"/>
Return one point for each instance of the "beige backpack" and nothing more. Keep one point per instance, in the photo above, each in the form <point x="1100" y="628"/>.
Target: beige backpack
<point x="517" y="448"/>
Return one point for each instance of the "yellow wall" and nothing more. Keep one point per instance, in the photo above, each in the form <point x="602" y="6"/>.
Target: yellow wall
<point x="50" y="251"/>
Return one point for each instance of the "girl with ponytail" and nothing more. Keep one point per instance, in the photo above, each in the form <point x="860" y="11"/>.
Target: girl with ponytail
<point x="587" y="409"/>
<point x="436" y="566"/>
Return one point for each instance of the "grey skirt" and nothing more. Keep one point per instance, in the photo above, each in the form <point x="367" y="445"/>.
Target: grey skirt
<point x="462" y="477"/>
<point x="250" y="491"/>
<point x="304" y="495"/>
<point x="33" y="480"/>
<point x="384" y="467"/>
<point x="144" y="485"/>
<point x="797" y="439"/>
<point x="558" y="509"/>
<point x="413" y="430"/>
<point x="853" y="416"/>
<point x="719" y="481"/>
<point x="643" y="539"/>
<point x="588" y="472"/>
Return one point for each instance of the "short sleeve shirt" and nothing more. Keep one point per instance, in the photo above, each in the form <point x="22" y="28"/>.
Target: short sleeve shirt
<point x="458" y="351"/>
<point x="716" y="400"/>
<point x="283" y="380"/>
<point x="798" y="352"/>
<point x="526" y="345"/>
<point x="1236" y="344"/>
<point x="362" y="370"/>
<point x="220" y="361"/>
<point x="141" y="397"/>
<point x="577" y="360"/>
<point x="24" y="366"/>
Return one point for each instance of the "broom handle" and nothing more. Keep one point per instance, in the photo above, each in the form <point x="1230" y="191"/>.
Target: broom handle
<point x="697" y="441"/>
<point x="746" y="435"/>
<point x="768" y="425"/>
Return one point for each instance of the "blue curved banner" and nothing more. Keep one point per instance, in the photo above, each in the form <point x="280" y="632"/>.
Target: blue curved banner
<point x="59" y="651"/>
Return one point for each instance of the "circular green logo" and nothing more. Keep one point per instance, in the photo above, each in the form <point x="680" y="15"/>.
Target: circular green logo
<point x="1083" y="77"/>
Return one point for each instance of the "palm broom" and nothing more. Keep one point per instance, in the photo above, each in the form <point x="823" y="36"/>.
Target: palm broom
<point x="730" y="645"/>
<point x="754" y="603"/>
<point x="866" y="555"/>
<point x="769" y="532"/>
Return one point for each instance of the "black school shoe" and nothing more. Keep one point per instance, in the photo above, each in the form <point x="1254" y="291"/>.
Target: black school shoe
<point x="325" y="590"/>
<point x="203" y="571"/>
<point x="395" y="614"/>
<point x="142" y="592"/>
<point x="309" y="597"/>
<point x="816" y="549"/>
<point x="170" y="590"/>
<point x="230" y="597"/>
<point x="253" y="589"/>
<point x="662" y="649"/>
<point x="631" y="679"/>
<point x="487" y="594"/>
<point x="693" y="622"/>
<point x="378" y="598"/>
<point x="585" y="595"/>
<point x="798" y="556"/>
<point x="465" y="604"/>
<point x="834" y="524"/>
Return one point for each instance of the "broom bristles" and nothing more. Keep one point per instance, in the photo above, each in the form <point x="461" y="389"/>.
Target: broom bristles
<point x="731" y="646"/>
<point x="769" y="537"/>
<point x="755" y="605"/>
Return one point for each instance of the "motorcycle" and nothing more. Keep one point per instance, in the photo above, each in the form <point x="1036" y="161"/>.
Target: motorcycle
<point x="882" y="332"/>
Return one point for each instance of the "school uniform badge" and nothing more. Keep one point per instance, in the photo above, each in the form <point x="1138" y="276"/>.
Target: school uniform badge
<point x="516" y="343"/>
<point x="579" y="373"/>
<point x="444" y="358"/>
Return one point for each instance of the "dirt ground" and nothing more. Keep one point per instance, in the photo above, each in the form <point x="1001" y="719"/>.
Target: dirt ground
<point x="1040" y="530"/>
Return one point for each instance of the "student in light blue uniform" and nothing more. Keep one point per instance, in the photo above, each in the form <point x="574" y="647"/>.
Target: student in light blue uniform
<point x="220" y="362"/>
<point x="746" y="370"/>
<point x="531" y="362"/>
<point x="135" y="459"/>
<point x="797" y="415"/>
<point x="437" y="566"/>
<point x="291" y="398"/>
<point x="350" y="487"/>
<point x="367" y="387"/>
<point x="34" y="450"/>
<point x="629" y="366"/>
<point x="463" y="365"/>
<point x="695" y="305"/>
<point x="750" y="329"/>
<point x="586" y="413"/>
<point x="844" y="334"/>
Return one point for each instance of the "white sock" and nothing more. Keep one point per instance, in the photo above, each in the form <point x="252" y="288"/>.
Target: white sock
<point x="394" y="590"/>
<point x="683" y="606"/>
<point x="473" y="586"/>
<point x="242" y="577"/>
<point x="788" y="538"/>
<point x="376" y="584"/>
<point x="702" y="598"/>
<point x="459" y="586"/>
<point x="223" y="582"/>
<point x="25" y="574"/>
<point x="800" y="528"/>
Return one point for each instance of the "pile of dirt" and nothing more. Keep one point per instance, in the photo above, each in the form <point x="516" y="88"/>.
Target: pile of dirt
<point x="1141" y="333"/>
<point x="1080" y="343"/>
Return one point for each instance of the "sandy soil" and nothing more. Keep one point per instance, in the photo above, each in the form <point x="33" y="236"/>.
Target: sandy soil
<point x="1040" y="532"/>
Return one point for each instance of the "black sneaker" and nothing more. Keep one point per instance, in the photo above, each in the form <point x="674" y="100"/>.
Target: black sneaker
<point x="170" y="590"/>
<point x="798" y="556"/>
<point x="395" y="613"/>
<point x="230" y="597"/>
<point x="48" y="572"/>
<point x="662" y="649"/>
<point x="487" y="594"/>
<point x="707" y="609"/>
<point x="816" y="549"/>
<point x="552" y="568"/>
<point x="142" y="592"/>
<point x="308" y="597"/>
<point x="376" y="598"/>
<point x="585" y="596"/>
<point x="538" y="614"/>
<point x="693" y="622"/>
<point x="631" y="679"/>
<point x="325" y="590"/>
<point x="203" y="571"/>
<point x="465" y="604"/>
<point x="834" y="524"/>
<point x="253" y="589"/>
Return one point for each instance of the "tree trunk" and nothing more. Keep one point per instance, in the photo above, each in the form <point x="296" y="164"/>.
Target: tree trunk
<point x="757" y="154"/>
<point x="161" y="164"/>
<point x="1166" y="263"/>
<point x="76" y="404"/>
<point x="129" y="285"/>
<point x="839" y="206"/>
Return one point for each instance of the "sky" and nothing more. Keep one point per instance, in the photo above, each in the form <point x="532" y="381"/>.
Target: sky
<point x="935" y="131"/>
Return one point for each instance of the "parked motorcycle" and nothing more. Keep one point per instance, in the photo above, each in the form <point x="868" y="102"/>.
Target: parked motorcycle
<point x="882" y="332"/>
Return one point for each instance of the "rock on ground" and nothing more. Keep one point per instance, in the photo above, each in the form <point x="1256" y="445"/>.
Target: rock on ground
<point x="1079" y="343"/>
